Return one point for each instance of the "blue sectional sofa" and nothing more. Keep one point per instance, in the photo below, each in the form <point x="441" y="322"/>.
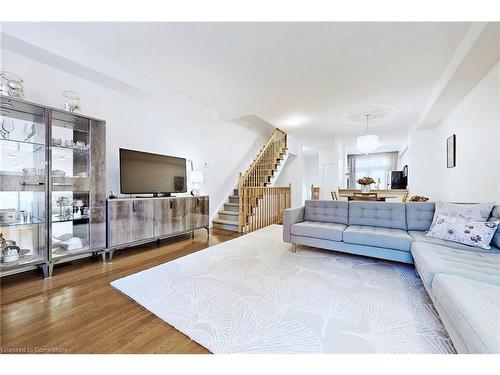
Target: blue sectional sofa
<point x="462" y="281"/>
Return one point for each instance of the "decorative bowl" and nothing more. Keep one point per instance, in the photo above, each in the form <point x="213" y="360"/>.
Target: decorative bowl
<point x="9" y="215"/>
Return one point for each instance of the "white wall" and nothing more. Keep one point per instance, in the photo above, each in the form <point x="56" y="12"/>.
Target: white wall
<point x="311" y="173"/>
<point x="293" y="172"/>
<point x="423" y="176"/>
<point x="476" y="123"/>
<point x="403" y="157"/>
<point x="331" y="168"/>
<point x="148" y="124"/>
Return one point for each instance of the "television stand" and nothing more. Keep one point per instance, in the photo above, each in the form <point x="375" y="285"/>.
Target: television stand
<point x="135" y="221"/>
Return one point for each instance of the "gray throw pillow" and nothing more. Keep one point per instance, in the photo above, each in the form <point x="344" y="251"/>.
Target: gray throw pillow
<point x="472" y="212"/>
<point x="456" y="229"/>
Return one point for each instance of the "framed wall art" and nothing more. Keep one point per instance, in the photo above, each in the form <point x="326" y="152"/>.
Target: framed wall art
<point x="451" y="151"/>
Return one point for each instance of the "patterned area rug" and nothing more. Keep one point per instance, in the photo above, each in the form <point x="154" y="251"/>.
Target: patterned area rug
<point x="253" y="295"/>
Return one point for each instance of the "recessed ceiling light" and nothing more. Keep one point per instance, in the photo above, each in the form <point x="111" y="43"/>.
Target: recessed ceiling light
<point x="294" y="120"/>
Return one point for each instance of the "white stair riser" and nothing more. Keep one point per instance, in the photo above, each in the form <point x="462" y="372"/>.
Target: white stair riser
<point x="232" y="228"/>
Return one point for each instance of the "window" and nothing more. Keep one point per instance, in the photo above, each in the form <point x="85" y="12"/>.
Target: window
<point x="377" y="166"/>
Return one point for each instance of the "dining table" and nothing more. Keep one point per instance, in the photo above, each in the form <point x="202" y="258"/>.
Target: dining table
<point x="370" y="198"/>
<point x="383" y="195"/>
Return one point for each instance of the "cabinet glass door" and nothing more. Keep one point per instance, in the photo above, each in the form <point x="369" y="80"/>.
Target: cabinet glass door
<point x="70" y="194"/>
<point x="23" y="181"/>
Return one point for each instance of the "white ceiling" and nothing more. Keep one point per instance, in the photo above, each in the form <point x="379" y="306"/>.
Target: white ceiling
<point x="314" y="80"/>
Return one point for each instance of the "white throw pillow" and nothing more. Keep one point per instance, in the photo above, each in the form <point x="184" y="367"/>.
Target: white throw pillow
<point x="472" y="212"/>
<point x="456" y="229"/>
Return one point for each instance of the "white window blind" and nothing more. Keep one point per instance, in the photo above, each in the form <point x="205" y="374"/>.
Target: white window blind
<point x="377" y="166"/>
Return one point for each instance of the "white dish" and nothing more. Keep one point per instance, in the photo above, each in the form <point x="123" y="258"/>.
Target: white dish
<point x="10" y="258"/>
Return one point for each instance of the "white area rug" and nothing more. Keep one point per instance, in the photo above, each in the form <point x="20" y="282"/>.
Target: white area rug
<point x="253" y="295"/>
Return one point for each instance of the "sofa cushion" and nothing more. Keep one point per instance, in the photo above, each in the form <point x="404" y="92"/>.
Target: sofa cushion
<point x="369" y="251"/>
<point x="473" y="307"/>
<point x="467" y="211"/>
<point x="378" y="237"/>
<point x="495" y="215"/>
<point x="456" y="229"/>
<point x="317" y="229"/>
<point x="326" y="211"/>
<point x="419" y="215"/>
<point x="478" y="264"/>
<point x="378" y="214"/>
<point x="422" y="237"/>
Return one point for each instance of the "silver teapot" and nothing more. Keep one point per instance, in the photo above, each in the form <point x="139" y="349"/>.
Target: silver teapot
<point x="10" y="250"/>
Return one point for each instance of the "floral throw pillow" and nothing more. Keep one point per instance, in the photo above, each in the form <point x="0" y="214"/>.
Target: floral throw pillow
<point x="472" y="212"/>
<point x="456" y="229"/>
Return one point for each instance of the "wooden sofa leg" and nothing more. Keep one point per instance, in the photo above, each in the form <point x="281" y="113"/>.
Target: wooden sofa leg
<point x="294" y="248"/>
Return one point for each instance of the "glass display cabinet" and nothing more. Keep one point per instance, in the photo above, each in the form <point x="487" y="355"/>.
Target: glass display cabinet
<point x="70" y="157"/>
<point x="52" y="188"/>
<point x="23" y="187"/>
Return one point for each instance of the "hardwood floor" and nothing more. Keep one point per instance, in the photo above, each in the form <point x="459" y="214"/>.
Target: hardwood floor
<point x="77" y="311"/>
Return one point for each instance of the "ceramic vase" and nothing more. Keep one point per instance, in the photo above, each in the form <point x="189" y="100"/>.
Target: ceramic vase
<point x="365" y="188"/>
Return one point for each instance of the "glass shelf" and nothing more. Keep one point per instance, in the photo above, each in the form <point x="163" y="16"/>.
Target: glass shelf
<point x="77" y="126"/>
<point x="37" y="146"/>
<point x="78" y="150"/>
<point x="58" y="252"/>
<point x="56" y="219"/>
<point x="70" y="177"/>
<point x="33" y="221"/>
<point x="24" y="260"/>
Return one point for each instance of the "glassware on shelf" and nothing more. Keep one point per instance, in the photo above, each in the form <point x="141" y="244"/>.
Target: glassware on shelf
<point x="69" y="143"/>
<point x="33" y="171"/>
<point x="71" y="101"/>
<point x="11" y="85"/>
<point x="77" y="208"/>
<point x="9" y="216"/>
<point x="63" y="203"/>
<point x="58" y="173"/>
<point x="29" y="131"/>
<point x="6" y="127"/>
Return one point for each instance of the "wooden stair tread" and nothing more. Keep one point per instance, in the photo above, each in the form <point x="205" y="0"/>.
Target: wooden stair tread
<point x="231" y="204"/>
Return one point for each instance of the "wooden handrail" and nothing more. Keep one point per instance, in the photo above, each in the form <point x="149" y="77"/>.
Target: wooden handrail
<point x="260" y="205"/>
<point x="262" y="161"/>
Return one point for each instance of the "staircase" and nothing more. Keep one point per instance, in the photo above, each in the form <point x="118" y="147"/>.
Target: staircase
<point x="242" y="207"/>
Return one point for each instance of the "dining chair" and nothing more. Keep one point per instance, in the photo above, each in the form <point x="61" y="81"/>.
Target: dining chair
<point x="334" y="195"/>
<point x="404" y="197"/>
<point x="314" y="192"/>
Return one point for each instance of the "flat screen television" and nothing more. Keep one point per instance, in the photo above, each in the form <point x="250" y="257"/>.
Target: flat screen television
<point x="146" y="173"/>
<point x="398" y="180"/>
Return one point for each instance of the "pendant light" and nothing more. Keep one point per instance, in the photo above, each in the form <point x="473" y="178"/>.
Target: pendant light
<point x="367" y="143"/>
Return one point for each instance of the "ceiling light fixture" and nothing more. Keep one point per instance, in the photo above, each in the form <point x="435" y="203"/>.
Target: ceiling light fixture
<point x="294" y="121"/>
<point x="367" y="143"/>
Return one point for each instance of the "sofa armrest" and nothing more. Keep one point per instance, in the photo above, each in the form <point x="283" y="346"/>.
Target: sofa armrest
<point x="291" y="216"/>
